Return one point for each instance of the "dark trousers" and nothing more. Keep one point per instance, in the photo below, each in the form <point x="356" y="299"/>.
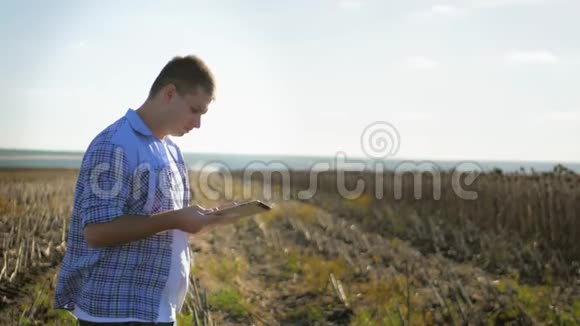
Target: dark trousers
<point x="129" y="323"/>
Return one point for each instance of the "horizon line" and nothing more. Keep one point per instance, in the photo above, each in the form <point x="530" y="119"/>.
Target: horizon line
<point x="319" y="156"/>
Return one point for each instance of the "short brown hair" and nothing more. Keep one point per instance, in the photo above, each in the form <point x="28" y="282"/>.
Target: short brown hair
<point x="186" y="73"/>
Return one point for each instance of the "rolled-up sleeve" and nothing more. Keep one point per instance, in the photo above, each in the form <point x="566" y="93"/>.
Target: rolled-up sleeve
<point x="106" y="183"/>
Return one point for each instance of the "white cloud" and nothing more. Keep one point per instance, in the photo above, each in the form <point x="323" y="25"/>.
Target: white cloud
<point x="447" y="10"/>
<point x="454" y="10"/>
<point x="560" y="116"/>
<point x="50" y="93"/>
<point x="503" y="3"/>
<point x="347" y="4"/>
<point x="78" y="45"/>
<point x="422" y="63"/>
<point x="412" y="116"/>
<point x="334" y="114"/>
<point x="532" y="57"/>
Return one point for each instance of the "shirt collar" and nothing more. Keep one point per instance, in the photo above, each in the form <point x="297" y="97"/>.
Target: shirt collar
<point x="137" y="123"/>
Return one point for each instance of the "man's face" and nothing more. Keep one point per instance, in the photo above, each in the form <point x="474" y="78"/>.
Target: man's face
<point x="184" y="113"/>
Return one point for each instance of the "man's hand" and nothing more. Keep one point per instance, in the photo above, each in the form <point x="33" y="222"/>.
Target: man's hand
<point x="192" y="219"/>
<point x="203" y="219"/>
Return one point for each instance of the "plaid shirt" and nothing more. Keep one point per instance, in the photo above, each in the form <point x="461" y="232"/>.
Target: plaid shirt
<point x="125" y="171"/>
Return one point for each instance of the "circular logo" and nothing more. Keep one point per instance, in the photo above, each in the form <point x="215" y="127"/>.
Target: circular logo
<point x="380" y="140"/>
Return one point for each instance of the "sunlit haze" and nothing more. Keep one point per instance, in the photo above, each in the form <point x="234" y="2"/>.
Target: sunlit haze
<point x="471" y="79"/>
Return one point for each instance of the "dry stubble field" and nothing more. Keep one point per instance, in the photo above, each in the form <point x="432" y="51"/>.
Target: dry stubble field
<point x="509" y="257"/>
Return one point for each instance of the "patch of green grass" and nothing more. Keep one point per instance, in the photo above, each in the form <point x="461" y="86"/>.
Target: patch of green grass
<point x="292" y="264"/>
<point x="317" y="270"/>
<point x="501" y="287"/>
<point x="576" y="308"/>
<point x="61" y="317"/>
<point x="534" y="301"/>
<point x="562" y="318"/>
<point x="39" y="310"/>
<point x="306" y="212"/>
<point x="395" y="243"/>
<point x="527" y="295"/>
<point x="184" y="319"/>
<point x="363" y="318"/>
<point x="229" y="301"/>
<point x="509" y="312"/>
<point x="225" y="270"/>
<point x="309" y="313"/>
<point x="389" y="295"/>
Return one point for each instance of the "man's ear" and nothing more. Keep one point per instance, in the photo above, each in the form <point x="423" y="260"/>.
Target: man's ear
<point x="168" y="92"/>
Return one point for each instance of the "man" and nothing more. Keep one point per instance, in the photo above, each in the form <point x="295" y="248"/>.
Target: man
<point x="127" y="260"/>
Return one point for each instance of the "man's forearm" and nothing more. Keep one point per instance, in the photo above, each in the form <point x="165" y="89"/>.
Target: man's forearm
<point x="129" y="228"/>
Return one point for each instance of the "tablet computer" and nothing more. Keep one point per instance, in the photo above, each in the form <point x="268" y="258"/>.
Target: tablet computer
<point x="241" y="209"/>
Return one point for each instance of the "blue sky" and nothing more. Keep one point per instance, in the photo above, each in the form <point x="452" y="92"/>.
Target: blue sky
<point x="470" y="79"/>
